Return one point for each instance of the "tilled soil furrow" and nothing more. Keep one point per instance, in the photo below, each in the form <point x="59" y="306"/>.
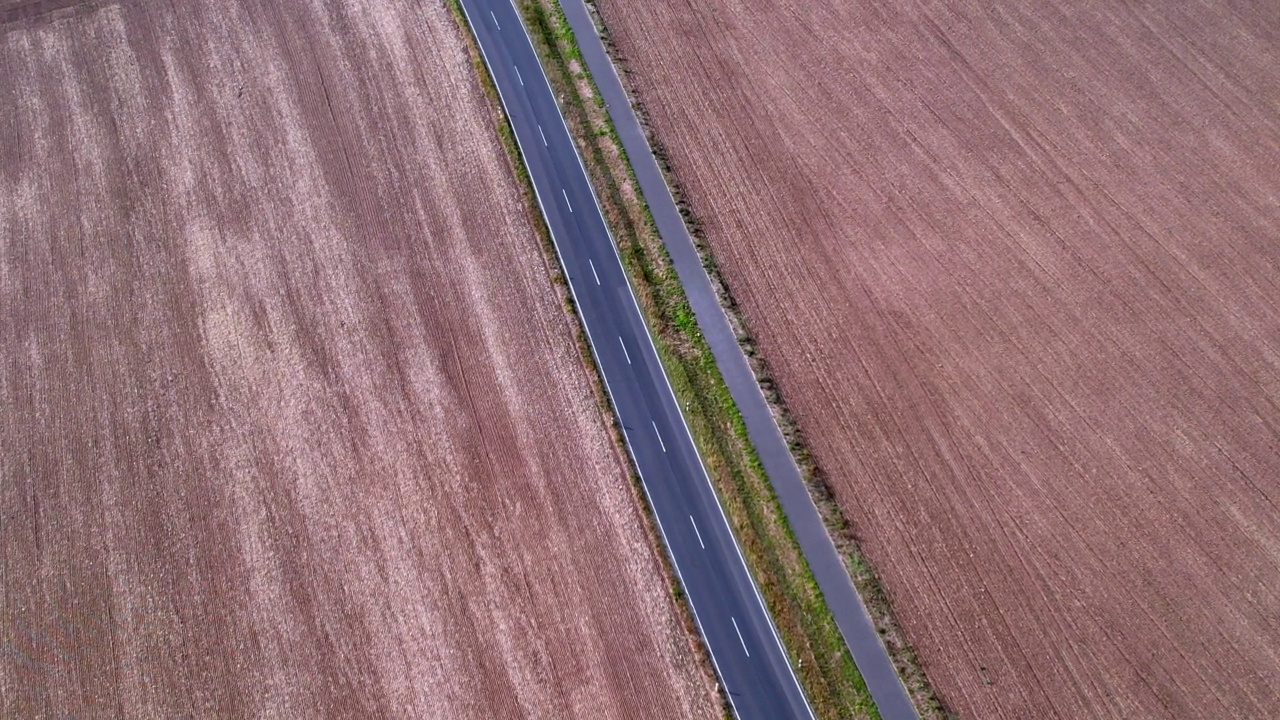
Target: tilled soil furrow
<point x="1014" y="270"/>
<point x="295" y="422"/>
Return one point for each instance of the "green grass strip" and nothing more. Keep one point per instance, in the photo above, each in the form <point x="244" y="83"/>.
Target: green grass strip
<point x="809" y="633"/>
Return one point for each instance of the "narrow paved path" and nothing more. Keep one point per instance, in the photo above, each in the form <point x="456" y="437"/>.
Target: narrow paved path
<point x="833" y="578"/>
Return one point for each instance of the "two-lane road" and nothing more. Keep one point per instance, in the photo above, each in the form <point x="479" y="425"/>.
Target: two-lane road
<point x="727" y="606"/>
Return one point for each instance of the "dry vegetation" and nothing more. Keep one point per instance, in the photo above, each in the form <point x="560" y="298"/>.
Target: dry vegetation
<point x="292" y="422"/>
<point x="823" y="664"/>
<point x="1016" y="270"/>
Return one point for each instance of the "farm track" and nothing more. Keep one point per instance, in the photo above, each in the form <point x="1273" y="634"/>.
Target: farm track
<point x="1015" y="272"/>
<point x="294" y="425"/>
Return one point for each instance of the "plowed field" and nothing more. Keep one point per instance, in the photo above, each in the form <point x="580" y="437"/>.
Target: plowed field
<point x="1016" y="269"/>
<point x="292" y="423"/>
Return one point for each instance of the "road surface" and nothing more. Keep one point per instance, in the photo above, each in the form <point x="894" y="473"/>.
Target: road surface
<point x="726" y="604"/>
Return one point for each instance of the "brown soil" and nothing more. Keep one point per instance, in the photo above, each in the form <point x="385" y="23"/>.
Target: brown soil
<point x="293" y="424"/>
<point x="1017" y="273"/>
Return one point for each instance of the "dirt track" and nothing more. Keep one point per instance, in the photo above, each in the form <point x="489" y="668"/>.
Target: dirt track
<point x="1017" y="273"/>
<point x="292" y="423"/>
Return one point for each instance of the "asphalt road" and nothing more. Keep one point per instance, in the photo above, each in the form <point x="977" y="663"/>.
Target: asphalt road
<point x="727" y="606"/>
<point x="828" y="568"/>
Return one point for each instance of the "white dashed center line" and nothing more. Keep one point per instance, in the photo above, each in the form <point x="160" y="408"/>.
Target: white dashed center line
<point x="495" y="19"/>
<point x="627" y="355"/>
<point x="744" y="642"/>
<point x="544" y="136"/>
<point x="593" y="273"/>
<point x="655" y="424"/>
<point x="566" y="198"/>
<point x="695" y="532"/>
<point x="518" y="75"/>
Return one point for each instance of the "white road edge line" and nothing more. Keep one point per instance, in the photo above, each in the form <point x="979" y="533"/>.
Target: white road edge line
<point x="689" y="433"/>
<point x="627" y="355"/>
<point x="695" y="532"/>
<point x="566" y="198"/>
<point x="744" y="642"/>
<point x="655" y="429"/>
<point x="544" y="136"/>
<point x="593" y="274"/>
<point x="495" y="19"/>
<point x="626" y="437"/>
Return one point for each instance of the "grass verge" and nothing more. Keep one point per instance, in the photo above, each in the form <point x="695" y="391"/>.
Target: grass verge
<point x="926" y="700"/>
<point x="507" y="136"/>
<point x="813" y="641"/>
